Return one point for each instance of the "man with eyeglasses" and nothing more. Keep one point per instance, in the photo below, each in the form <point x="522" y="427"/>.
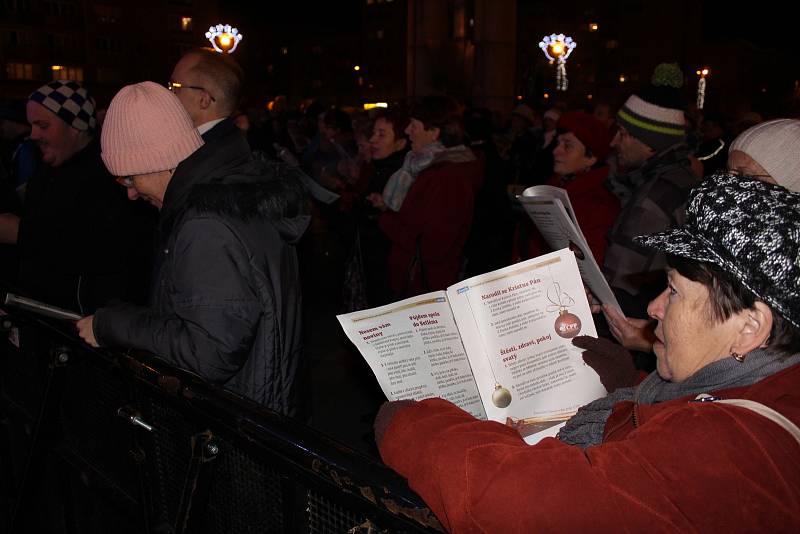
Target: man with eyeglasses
<point x="208" y="85"/>
<point x="653" y="182"/>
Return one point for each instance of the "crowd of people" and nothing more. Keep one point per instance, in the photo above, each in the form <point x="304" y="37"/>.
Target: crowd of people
<point x="411" y="199"/>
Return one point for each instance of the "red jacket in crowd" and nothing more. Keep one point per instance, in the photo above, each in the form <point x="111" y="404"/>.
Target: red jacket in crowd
<point x="676" y="466"/>
<point x="596" y="209"/>
<point x="438" y="207"/>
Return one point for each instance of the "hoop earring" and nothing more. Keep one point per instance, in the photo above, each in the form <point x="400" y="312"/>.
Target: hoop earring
<point x="738" y="357"/>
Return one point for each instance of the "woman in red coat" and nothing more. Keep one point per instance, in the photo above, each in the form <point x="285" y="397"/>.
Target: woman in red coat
<point x="707" y="443"/>
<point x="580" y="168"/>
<point x="429" y="201"/>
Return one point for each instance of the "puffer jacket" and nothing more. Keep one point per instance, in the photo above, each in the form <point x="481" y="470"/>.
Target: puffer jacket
<point x="225" y="301"/>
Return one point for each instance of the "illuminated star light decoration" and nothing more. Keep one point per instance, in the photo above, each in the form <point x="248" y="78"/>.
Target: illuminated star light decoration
<point x="701" y="88"/>
<point x="224" y="38"/>
<point x="558" y="47"/>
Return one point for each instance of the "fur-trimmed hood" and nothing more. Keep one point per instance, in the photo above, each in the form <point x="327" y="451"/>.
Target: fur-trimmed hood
<point x="275" y="194"/>
<point x="223" y="178"/>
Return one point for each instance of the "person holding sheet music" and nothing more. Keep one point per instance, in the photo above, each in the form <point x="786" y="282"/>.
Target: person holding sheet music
<point x="708" y="442"/>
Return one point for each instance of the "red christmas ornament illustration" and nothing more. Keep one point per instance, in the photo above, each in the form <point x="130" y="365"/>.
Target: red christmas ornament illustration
<point x="567" y="325"/>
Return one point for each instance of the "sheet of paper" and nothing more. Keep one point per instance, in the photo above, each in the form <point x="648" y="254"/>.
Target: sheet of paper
<point x="414" y="348"/>
<point x="554" y="222"/>
<point x="517" y="324"/>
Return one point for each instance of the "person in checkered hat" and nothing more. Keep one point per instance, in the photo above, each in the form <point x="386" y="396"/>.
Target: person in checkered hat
<point x="75" y="234"/>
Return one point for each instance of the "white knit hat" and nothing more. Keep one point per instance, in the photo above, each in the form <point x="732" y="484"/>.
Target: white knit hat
<point x="553" y="114"/>
<point x="775" y="145"/>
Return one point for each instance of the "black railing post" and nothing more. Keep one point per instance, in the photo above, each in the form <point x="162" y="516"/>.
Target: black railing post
<point x="45" y="433"/>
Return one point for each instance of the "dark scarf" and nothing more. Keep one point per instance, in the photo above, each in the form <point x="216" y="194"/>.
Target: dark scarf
<point x="586" y="428"/>
<point x="625" y="185"/>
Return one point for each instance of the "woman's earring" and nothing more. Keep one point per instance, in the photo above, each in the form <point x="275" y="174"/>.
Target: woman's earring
<point x="738" y="357"/>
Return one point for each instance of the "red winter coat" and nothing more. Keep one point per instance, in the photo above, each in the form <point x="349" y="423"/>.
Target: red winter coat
<point x="596" y="209"/>
<point x="438" y="207"/>
<point x="677" y="466"/>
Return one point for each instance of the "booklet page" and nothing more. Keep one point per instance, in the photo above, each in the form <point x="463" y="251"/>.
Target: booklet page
<point x="517" y="324"/>
<point x="414" y="348"/>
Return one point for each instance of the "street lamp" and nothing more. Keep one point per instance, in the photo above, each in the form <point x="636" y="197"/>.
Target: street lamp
<point x="701" y="87"/>
<point x="558" y="47"/>
<point x="224" y="38"/>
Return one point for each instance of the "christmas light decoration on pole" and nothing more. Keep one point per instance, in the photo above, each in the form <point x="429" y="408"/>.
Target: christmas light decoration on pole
<point x="701" y="88"/>
<point x="557" y="48"/>
<point x="224" y="38"/>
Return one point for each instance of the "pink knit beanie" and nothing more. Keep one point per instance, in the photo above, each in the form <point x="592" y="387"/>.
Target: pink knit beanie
<point x="146" y="130"/>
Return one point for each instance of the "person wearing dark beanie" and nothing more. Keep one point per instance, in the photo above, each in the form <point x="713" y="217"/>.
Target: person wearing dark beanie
<point x="652" y="183"/>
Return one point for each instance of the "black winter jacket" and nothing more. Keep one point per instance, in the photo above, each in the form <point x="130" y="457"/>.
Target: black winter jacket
<point x="225" y="302"/>
<point x="76" y="234"/>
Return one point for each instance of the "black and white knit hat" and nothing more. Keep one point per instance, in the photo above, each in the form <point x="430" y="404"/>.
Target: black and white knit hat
<point x="750" y="229"/>
<point x="69" y="101"/>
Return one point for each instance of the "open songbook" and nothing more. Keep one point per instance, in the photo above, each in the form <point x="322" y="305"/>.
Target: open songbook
<point x="498" y="345"/>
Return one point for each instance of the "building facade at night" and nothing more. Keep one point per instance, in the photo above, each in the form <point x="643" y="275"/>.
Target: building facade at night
<point x="348" y="53"/>
<point x="103" y="44"/>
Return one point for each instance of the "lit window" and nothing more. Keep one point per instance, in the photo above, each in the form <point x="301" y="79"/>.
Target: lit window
<point x="593" y="27"/>
<point x="61" y="72"/>
<point x="186" y="23"/>
<point x="19" y="71"/>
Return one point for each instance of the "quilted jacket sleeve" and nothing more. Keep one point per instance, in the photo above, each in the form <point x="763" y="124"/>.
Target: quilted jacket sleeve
<point x="214" y="309"/>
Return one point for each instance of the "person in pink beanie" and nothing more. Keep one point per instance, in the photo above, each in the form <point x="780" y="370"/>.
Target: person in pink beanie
<point x="225" y="300"/>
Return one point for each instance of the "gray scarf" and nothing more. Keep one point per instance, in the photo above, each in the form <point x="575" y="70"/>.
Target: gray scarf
<point x="586" y="427"/>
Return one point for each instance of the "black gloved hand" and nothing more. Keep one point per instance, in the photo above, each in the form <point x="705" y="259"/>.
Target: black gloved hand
<point x="385" y="415"/>
<point x="611" y="361"/>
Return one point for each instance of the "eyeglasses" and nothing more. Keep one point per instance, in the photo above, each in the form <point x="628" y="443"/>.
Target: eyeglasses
<point x="126" y="181"/>
<point x="172" y="86"/>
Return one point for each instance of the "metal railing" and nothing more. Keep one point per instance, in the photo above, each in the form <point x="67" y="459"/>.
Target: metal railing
<point x="101" y="441"/>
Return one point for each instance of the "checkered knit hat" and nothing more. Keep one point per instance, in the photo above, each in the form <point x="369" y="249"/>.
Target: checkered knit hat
<point x="749" y="228"/>
<point x="69" y="101"/>
<point x="775" y="145"/>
